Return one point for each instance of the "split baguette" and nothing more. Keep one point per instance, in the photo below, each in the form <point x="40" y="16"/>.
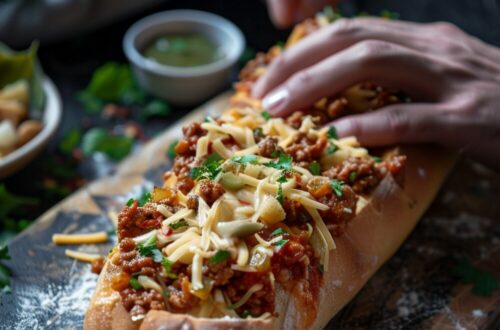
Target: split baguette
<point x="372" y="237"/>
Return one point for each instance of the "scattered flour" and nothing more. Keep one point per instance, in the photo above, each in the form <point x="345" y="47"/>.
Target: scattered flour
<point x="55" y="306"/>
<point x="478" y="313"/>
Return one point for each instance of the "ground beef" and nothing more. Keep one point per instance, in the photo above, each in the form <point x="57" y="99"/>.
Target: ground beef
<point x="138" y="302"/>
<point x="137" y="264"/>
<point x="186" y="148"/>
<point x="96" y="266"/>
<point x="184" y="183"/>
<point x="180" y="298"/>
<point x="268" y="147"/>
<point x="341" y="209"/>
<point x="304" y="149"/>
<point x="260" y="302"/>
<point x="127" y="245"/>
<point x="192" y="202"/>
<point x="134" y="220"/>
<point x="220" y="272"/>
<point x="296" y="214"/>
<point x="210" y="191"/>
<point x="363" y="174"/>
<point x="182" y="164"/>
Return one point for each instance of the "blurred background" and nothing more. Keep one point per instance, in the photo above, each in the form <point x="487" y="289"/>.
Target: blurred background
<point x="77" y="37"/>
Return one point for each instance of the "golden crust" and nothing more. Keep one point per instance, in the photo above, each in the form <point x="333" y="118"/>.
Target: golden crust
<point x="372" y="237"/>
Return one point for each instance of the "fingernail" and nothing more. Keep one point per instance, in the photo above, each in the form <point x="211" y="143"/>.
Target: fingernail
<point x="343" y="128"/>
<point x="275" y="100"/>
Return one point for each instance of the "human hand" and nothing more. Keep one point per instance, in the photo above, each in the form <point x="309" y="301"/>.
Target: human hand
<point x="284" y="13"/>
<point x="453" y="79"/>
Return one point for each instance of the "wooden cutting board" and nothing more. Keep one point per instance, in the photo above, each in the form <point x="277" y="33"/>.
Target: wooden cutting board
<point x="416" y="289"/>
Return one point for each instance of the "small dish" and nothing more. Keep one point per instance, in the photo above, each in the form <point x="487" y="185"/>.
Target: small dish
<point x="52" y="112"/>
<point x="183" y="86"/>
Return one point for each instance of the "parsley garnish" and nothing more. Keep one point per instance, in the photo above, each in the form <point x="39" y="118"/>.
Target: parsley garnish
<point x="279" y="244"/>
<point x="321" y="268"/>
<point x="219" y="256"/>
<point x="266" y="115"/>
<point x="353" y="176"/>
<point x="208" y="119"/>
<point x="70" y="141"/>
<point x="134" y="283"/>
<point x="171" y="149"/>
<point x="280" y="44"/>
<point x="179" y="224"/>
<point x="146" y="248"/>
<point x="245" y="314"/>
<point x="330" y="14"/>
<point x="4" y="271"/>
<point x="284" y="162"/>
<point x="331" y="148"/>
<point x="315" y="168"/>
<point x="252" y="159"/>
<point x="167" y="266"/>
<point x="483" y="282"/>
<point x="389" y="14"/>
<point x="154" y="108"/>
<point x="209" y="170"/>
<point x="258" y="131"/>
<point x="281" y="179"/>
<point x="99" y="140"/>
<point x="332" y="133"/>
<point x="377" y="159"/>
<point x="337" y="187"/>
<point x="130" y="202"/>
<point x="277" y="232"/>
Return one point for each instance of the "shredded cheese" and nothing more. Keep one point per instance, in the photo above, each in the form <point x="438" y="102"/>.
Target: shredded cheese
<point x="82" y="256"/>
<point x="93" y="238"/>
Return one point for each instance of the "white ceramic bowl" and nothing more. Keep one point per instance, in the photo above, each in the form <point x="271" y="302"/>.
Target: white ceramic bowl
<point x="179" y="85"/>
<point x="52" y="113"/>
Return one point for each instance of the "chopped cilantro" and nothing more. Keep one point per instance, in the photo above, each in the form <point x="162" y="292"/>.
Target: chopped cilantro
<point x="70" y="141"/>
<point x="155" y="108"/>
<point x="144" y="198"/>
<point x="483" y="282"/>
<point x="219" y="256"/>
<point x="11" y="202"/>
<point x="284" y="162"/>
<point x="353" y="176"/>
<point x="377" y="159"/>
<point x="332" y="133"/>
<point x="99" y="140"/>
<point x="315" y="168"/>
<point x="279" y="244"/>
<point x="130" y="202"/>
<point x="146" y="248"/>
<point x="330" y="14"/>
<point x="331" y="148"/>
<point x="157" y="255"/>
<point x="258" y="132"/>
<point x="266" y="115"/>
<point x="134" y="283"/>
<point x="389" y="14"/>
<point x="167" y="265"/>
<point x="4" y="253"/>
<point x="209" y="170"/>
<point x="252" y="159"/>
<point x="321" y="268"/>
<point x="279" y="231"/>
<point x="111" y="232"/>
<point x="208" y="119"/>
<point x="245" y="314"/>
<point x="171" y="149"/>
<point x="280" y="44"/>
<point x="337" y="187"/>
<point x="179" y="224"/>
<point x="282" y="178"/>
<point x="279" y="195"/>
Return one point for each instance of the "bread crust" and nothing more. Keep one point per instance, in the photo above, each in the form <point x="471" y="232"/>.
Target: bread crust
<point x="372" y="237"/>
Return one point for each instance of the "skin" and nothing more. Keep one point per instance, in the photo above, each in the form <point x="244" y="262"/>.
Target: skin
<point x="452" y="78"/>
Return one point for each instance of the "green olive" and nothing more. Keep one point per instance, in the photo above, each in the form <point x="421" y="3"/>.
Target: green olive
<point x="238" y="228"/>
<point x="260" y="258"/>
<point x="231" y="181"/>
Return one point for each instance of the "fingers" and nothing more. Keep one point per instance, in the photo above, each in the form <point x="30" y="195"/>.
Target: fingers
<point x="401" y="123"/>
<point x="383" y="63"/>
<point x="337" y="37"/>
<point x="283" y="12"/>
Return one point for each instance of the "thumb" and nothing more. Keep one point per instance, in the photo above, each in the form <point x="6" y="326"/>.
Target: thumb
<point x="400" y="123"/>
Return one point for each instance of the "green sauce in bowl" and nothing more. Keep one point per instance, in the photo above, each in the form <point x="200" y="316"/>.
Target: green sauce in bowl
<point x="183" y="50"/>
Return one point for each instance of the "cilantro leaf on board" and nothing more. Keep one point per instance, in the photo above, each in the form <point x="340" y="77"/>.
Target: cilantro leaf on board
<point x="70" y="141"/>
<point x="155" y="108"/>
<point x="99" y="140"/>
<point x="483" y="282"/>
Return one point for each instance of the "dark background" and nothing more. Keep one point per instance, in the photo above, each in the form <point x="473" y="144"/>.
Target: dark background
<point x="70" y="64"/>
